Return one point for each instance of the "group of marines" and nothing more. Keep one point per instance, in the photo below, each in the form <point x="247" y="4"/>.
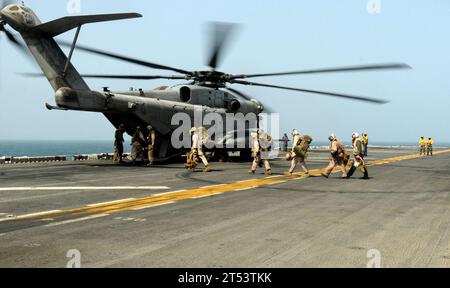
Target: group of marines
<point x="261" y="151"/>
<point x="139" y="140"/>
<point x="298" y="154"/>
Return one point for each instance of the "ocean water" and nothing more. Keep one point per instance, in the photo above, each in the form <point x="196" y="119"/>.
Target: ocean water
<point x="53" y="148"/>
<point x="70" y="148"/>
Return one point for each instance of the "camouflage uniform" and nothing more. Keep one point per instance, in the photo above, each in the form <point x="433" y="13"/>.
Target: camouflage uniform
<point x="118" y="145"/>
<point x="298" y="152"/>
<point x="136" y="144"/>
<point x="261" y="144"/>
<point x="151" y="140"/>
<point x="339" y="158"/>
<point x="199" y="138"/>
<point x="358" y="156"/>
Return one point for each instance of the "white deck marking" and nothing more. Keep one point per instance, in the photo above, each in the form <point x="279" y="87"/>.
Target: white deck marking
<point x="31" y="215"/>
<point x="84" y="188"/>
<point x="76" y="220"/>
<point x="247" y="188"/>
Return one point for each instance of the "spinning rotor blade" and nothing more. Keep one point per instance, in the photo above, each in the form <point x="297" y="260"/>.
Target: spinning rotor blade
<point x="246" y="97"/>
<point x="13" y="39"/>
<point x="387" y="66"/>
<point x="135" y="77"/>
<point x="125" y="58"/>
<point x="221" y="33"/>
<point x="104" y="76"/>
<point x="339" y="95"/>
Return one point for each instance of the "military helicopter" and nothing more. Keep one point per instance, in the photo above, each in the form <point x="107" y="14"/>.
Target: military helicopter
<point x="207" y="91"/>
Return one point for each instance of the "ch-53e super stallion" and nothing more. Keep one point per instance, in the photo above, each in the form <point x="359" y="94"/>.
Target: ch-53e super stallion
<point x="205" y="91"/>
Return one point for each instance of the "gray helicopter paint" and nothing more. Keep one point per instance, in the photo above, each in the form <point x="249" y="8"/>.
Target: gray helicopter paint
<point x="155" y="107"/>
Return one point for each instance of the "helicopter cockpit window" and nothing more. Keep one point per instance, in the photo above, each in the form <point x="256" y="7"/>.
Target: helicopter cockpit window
<point x="185" y="94"/>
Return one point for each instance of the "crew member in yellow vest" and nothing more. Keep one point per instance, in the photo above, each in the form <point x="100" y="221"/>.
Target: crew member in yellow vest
<point x="422" y="145"/>
<point x="430" y="143"/>
<point x="365" y="144"/>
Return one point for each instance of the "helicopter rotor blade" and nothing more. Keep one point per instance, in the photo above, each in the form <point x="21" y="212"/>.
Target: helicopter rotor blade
<point x="13" y="39"/>
<point x="220" y="37"/>
<point x="245" y="96"/>
<point x="248" y="98"/>
<point x="105" y="76"/>
<point x="339" y="95"/>
<point x="135" y="77"/>
<point x="386" y="66"/>
<point x="125" y="58"/>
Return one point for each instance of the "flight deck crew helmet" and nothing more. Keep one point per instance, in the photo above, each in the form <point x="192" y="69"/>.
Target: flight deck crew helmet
<point x="149" y="127"/>
<point x="295" y="132"/>
<point x="193" y="130"/>
<point x="332" y="137"/>
<point x="355" y="135"/>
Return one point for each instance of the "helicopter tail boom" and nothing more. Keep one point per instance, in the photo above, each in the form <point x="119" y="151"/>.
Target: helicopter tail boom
<point x="71" y="91"/>
<point x="62" y="25"/>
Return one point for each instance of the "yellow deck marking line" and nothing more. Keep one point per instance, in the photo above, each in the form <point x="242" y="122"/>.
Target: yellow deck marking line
<point x="110" y="202"/>
<point x="172" y="197"/>
<point x="171" y="192"/>
<point x="32" y="215"/>
<point x="151" y="206"/>
<point x="84" y="188"/>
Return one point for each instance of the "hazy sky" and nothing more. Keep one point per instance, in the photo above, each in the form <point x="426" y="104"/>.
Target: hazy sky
<point x="275" y="36"/>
